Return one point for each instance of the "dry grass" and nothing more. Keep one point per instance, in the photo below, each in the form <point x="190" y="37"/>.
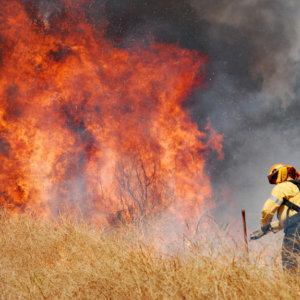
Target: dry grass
<point x="69" y="260"/>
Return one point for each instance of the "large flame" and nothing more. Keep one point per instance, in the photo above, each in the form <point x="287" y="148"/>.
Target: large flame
<point x="90" y="127"/>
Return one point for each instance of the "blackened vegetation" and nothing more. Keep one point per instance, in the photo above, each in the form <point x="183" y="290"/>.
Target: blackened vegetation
<point x="4" y="147"/>
<point x="60" y="54"/>
<point x="14" y="103"/>
<point x="2" y="49"/>
<point x="74" y="116"/>
<point x="6" y="46"/>
<point x="121" y="217"/>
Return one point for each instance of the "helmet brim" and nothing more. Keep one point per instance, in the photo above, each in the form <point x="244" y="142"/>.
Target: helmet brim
<point x="273" y="178"/>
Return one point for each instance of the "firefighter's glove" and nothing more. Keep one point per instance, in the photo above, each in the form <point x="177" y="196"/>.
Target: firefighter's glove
<point x="260" y="232"/>
<point x="266" y="228"/>
<point x="257" y="234"/>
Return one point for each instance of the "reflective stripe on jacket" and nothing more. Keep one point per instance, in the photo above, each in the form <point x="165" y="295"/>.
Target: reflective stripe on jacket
<point x="287" y="190"/>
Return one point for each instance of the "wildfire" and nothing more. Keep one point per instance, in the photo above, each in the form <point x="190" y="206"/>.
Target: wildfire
<point x="89" y="127"/>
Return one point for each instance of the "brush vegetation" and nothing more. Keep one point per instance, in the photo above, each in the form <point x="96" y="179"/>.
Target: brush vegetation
<point x="71" y="260"/>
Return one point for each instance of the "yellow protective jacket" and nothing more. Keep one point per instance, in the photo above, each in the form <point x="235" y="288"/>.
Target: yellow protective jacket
<point x="287" y="190"/>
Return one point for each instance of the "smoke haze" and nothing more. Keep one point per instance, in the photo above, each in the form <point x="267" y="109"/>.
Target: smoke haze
<point x="254" y="97"/>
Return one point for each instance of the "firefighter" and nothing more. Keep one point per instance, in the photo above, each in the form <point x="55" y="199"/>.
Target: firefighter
<point x="285" y="200"/>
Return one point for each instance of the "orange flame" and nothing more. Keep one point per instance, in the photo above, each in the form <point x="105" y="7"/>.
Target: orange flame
<point x="86" y="125"/>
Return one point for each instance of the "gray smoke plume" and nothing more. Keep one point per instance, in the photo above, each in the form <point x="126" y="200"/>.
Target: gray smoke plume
<point x="252" y="91"/>
<point x="253" y="98"/>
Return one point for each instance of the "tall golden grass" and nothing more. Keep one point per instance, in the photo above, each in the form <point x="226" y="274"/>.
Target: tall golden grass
<point x="65" y="259"/>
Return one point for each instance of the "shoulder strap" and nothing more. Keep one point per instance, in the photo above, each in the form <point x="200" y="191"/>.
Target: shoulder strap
<point x="291" y="205"/>
<point x="288" y="203"/>
<point x="297" y="182"/>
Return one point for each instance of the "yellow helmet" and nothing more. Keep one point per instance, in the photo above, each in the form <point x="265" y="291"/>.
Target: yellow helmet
<point x="279" y="173"/>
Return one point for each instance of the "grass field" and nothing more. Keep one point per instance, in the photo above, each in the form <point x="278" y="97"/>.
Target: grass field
<point x="71" y="260"/>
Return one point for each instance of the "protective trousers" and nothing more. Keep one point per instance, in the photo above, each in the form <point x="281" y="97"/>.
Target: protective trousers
<point x="291" y="247"/>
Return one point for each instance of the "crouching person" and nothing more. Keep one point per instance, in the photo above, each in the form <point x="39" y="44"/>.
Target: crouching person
<point x="285" y="200"/>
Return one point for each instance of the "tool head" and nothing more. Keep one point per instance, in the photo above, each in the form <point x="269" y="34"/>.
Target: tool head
<point x="257" y="234"/>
